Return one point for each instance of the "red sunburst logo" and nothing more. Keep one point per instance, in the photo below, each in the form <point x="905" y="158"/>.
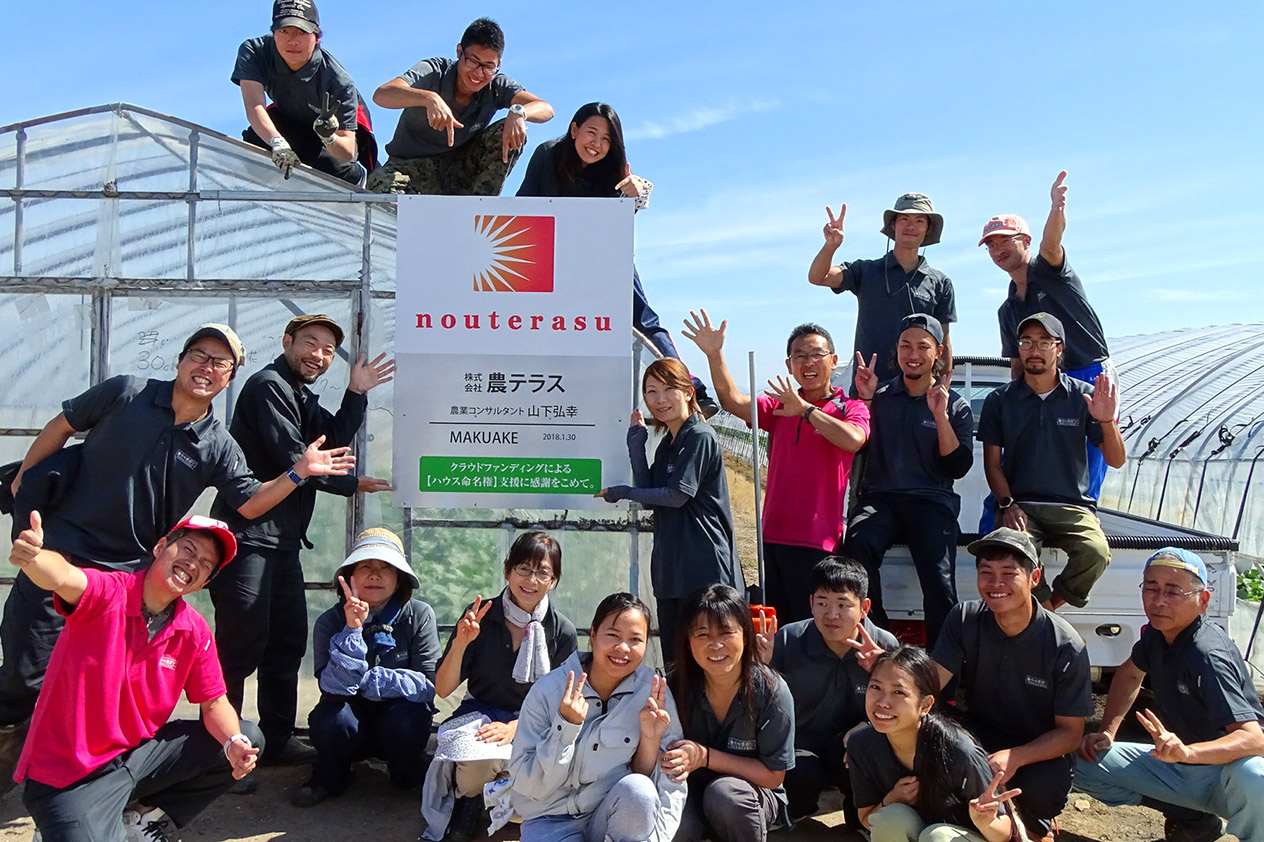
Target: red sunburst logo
<point x="519" y="255"/>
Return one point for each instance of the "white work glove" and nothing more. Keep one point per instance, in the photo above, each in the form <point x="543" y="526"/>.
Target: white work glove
<point x="283" y="156"/>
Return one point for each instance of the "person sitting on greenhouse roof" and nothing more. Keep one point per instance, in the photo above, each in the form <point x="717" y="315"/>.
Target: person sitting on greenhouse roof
<point x="499" y="648"/>
<point x="445" y="143"/>
<point x="315" y="109"/>
<point x="261" y="604"/>
<point x="374" y="655"/>
<point x="152" y="448"/>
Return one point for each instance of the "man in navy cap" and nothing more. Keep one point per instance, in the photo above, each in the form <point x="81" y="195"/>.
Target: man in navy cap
<point x="1033" y="431"/>
<point x="1207" y="760"/>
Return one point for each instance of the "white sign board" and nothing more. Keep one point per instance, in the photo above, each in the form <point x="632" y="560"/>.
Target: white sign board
<point x="513" y="341"/>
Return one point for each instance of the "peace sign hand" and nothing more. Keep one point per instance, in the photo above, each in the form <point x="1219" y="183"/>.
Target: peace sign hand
<point x="356" y="610"/>
<point x="766" y="638"/>
<point x="467" y="629"/>
<point x="655" y="720"/>
<point x="1167" y="746"/>
<point x="984" y="808"/>
<point x="574" y="707"/>
<point x="834" y="228"/>
<point x="326" y="124"/>
<point x="867" y="651"/>
<point x="866" y="377"/>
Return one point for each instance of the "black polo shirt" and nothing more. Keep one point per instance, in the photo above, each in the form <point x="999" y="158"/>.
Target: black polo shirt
<point x="1043" y="440"/>
<point x="903" y="449"/>
<point x="693" y="543"/>
<point x="489" y="660"/>
<point x="298" y="94"/>
<point x="275" y="419"/>
<point x="1200" y="682"/>
<point x="1015" y="686"/>
<point x="885" y="294"/>
<point x="769" y="737"/>
<point x="1057" y="291"/>
<point x="875" y="770"/>
<point x="414" y="138"/>
<point x="140" y="472"/>
<point x="828" y="690"/>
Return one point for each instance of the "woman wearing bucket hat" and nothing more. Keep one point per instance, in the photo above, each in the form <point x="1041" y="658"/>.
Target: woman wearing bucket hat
<point x="896" y="285"/>
<point x="375" y="654"/>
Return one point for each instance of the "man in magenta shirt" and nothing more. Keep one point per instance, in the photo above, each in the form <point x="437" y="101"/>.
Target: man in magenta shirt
<point x="814" y="433"/>
<point x="100" y="746"/>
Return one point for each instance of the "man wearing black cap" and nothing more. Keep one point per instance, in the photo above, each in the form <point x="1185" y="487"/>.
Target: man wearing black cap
<point x="152" y="448"/>
<point x="922" y="441"/>
<point x="260" y="607"/>
<point x="1207" y="725"/>
<point x="1033" y="431"/>
<point x="314" y="102"/>
<point x="894" y="286"/>
<point x="1025" y="674"/>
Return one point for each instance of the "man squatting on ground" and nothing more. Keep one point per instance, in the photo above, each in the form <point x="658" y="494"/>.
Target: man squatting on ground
<point x="1033" y="430"/>
<point x="260" y="603"/>
<point x="313" y="115"/>
<point x="1208" y="752"/>
<point x="100" y="746"/>
<point x="814" y="432"/>
<point x="153" y="446"/>
<point x="1025" y="674"/>
<point x="443" y="144"/>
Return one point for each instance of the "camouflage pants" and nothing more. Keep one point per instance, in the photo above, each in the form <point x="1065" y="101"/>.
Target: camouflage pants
<point x="474" y="168"/>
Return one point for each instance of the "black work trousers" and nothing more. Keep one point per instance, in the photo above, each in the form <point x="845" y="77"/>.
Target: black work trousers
<point x="28" y="634"/>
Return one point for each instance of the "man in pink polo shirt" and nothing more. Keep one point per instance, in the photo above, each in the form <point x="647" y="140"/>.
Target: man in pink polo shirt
<point x="99" y="739"/>
<point x="814" y="433"/>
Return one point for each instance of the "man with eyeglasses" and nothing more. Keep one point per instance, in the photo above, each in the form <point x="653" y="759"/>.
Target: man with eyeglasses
<point x="1047" y="283"/>
<point x="1033" y="431"/>
<point x="814" y="431"/>
<point x="445" y="143"/>
<point x="260" y="603"/>
<point x="1207" y="759"/>
<point x="152" y="448"/>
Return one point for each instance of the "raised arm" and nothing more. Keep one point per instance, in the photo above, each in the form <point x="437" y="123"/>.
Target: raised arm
<point x="1103" y="406"/>
<point x="47" y="569"/>
<point x="710" y="341"/>
<point x="1055" y="225"/>
<point x="823" y="272"/>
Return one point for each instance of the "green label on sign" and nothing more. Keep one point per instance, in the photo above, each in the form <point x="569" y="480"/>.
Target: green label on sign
<point x="509" y="475"/>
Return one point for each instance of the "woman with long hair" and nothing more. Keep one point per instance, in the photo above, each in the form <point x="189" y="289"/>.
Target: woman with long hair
<point x="500" y="648"/>
<point x="687" y="489"/>
<point x="738" y="720"/>
<point x="916" y="775"/>
<point x="584" y="763"/>
<point x="590" y="160"/>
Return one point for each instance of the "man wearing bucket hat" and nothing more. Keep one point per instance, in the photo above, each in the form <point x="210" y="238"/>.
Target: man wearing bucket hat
<point x="1025" y="674"/>
<point x="152" y="448"/>
<point x="313" y="116"/>
<point x="260" y="605"/>
<point x="1047" y="283"/>
<point x="1033" y="431"/>
<point x="894" y="286"/>
<point x="100" y="744"/>
<point x="1207" y="759"/>
<point x="375" y="654"/>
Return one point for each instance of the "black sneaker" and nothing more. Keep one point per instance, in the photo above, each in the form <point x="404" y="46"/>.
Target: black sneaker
<point x="310" y="794"/>
<point x="708" y="406"/>
<point x="1207" y="828"/>
<point x="248" y="785"/>
<point x="469" y="819"/>
<point x="293" y="752"/>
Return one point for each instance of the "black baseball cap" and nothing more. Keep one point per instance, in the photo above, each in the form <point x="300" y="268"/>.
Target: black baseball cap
<point x="300" y="14"/>
<point x="1051" y="323"/>
<point x="930" y="324"/>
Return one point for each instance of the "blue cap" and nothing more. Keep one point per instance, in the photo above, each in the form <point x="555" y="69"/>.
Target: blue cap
<point x="1181" y="560"/>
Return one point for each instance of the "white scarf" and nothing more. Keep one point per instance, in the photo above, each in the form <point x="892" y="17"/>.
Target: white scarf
<point x="533" y="654"/>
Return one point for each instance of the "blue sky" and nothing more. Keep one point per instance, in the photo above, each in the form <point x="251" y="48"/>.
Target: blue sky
<point x="750" y="119"/>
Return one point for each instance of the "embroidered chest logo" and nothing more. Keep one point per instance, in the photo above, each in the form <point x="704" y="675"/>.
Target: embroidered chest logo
<point x="741" y="745"/>
<point x="1036" y="681"/>
<point x="168" y="662"/>
<point x="1182" y="688"/>
<point x="1068" y="422"/>
<point x="186" y="460"/>
<point x="928" y="422"/>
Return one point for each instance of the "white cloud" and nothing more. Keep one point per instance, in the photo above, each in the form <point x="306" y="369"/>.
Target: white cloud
<point x="696" y="120"/>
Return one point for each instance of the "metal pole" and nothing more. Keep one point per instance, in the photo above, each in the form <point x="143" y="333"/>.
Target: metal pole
<point x="754" y="425"/>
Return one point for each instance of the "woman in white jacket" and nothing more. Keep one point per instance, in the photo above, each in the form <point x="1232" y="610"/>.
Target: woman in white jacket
<point x="585" y="757"/>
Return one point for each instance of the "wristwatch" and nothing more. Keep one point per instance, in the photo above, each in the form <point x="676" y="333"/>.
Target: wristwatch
<point x="807" y="413"/>
<point x="518" y="110"/>
<point x="1004" y="503"/>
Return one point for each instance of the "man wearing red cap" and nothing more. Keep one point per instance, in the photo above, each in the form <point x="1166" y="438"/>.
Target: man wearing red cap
<point x="1047" y="283"/>
<point x="100" y="745"/>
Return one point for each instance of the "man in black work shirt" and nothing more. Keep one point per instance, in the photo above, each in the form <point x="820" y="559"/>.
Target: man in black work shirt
<point x="153" y="446"/>
<point x="260" y="608"/>
<point x="1033" y="431"/>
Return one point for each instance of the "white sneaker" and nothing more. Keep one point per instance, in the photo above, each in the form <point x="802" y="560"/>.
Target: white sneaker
<point x="153" y="826"/>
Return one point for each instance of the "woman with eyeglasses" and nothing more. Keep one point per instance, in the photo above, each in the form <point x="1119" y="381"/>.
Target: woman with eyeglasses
<point x="590" y="161"/>
<point x="500" y="647"/>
